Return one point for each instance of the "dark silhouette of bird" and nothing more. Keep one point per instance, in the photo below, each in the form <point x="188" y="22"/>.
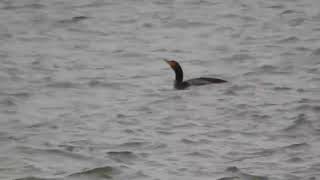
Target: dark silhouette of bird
<point x="180" y="84"/>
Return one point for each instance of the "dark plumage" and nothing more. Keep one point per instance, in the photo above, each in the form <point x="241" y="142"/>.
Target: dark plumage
<point x="180" y="84"/>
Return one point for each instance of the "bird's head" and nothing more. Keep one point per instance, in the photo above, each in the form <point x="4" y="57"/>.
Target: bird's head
<point x="172" y="63"/>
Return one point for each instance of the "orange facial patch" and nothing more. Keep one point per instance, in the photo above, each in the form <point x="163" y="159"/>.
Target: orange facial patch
<point x="171" y="63"/>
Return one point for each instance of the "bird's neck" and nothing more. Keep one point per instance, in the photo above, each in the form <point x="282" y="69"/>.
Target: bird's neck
<point x="179" y="74"/>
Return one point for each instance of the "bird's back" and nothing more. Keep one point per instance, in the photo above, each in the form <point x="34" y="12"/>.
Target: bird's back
<point x="204" y="80"/>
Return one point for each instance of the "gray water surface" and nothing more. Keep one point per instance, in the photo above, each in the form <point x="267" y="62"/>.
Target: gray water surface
<point x="84" y="93"/>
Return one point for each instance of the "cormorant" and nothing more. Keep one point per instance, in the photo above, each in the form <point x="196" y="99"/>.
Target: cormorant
<point x="180" y="84"/>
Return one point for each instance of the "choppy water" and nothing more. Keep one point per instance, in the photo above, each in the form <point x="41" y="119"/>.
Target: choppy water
<point x="84" y="93"/>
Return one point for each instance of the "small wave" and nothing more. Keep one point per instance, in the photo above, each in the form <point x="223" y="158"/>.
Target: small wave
<point x="313" y="70"/>
<point x="162" y="2"/>
<point x="296" y="21"/>
<point x="237" y="16"/>
<point x="280" y="6"/>
<point x="133" y="144"/>
<point x="316" y="52"/>
<point x="264" y="153"/>
<point x="291" y="39"/>
<point x="79" y="18"/>
<point x="230" y="92"/>
<point x="303" y="49"/>
<point x="201" y="141"/>
<point x="229" y="178"/>
<point x="308" y="107"/>
<point x="100" y="172"/>
<point x="57" y="153"/>
<point x="237" y="174"/>
<point x="128" y="20"/>
<point x="8" y="102"/>
<point x="63" y="85"/>
<point x="75" y="19"/>
<point x="26" y="6"/>
<point x="36" y="178"/>
<point x="278" y="88"/>
<point x="199" y="154"/>
<point x="267" y="69"/>
<point x="183" y="23"/>
<point x="17" y="94"/>
<point x="293" y="18"/>
<point x="298" y="145"/>
<point x="142" y="145"/>
<point x="289" y="11"/>
<point x="301" y="122"/>
<point x="238" y="88"/>
<point x="305" y="100"/>
<point x="186" y="125"/>
<point x="123" y="156"/>
<point x="95" y="4"/>
<point x="132" y="54"/>
<point x="295" y="160"/>
<point x="232" y="169"/>
<point x="239" y="58"/>
<point x="229" y="15"/>
<point x="97" y="83"/>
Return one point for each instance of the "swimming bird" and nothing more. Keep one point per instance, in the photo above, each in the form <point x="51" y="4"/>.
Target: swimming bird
<point x="180" y="84"/>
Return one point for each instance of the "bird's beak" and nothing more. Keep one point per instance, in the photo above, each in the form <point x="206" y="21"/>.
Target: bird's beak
<point x="168" y="62"/>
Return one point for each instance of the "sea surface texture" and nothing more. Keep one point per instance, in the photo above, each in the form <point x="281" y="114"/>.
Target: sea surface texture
<point x="85" y="93"/>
